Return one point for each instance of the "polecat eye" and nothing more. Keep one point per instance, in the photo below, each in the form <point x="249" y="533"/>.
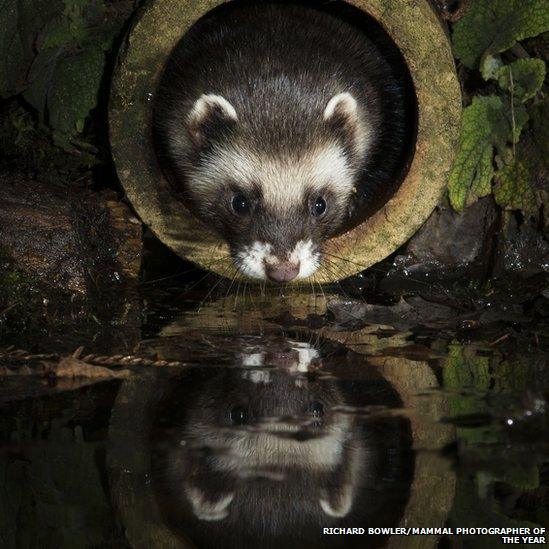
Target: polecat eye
<point x="239" y="415"/>
<point x="319" y="207"/>
<point x="240" y="204"/>
<point x="317" y="409"/>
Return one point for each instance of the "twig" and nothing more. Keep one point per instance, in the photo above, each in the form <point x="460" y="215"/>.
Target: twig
<point x="499" y="339"/>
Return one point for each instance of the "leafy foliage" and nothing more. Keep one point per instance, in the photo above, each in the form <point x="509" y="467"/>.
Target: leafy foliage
<point x="493" y="26"/>
<point x="53" y="53"/>
<point x="469" y="375"/>
<point x="493" y="124"/>
<point x="20" y="24"/>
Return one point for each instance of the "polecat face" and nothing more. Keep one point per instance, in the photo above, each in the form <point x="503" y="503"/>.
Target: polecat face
<point x="274" y="207"/>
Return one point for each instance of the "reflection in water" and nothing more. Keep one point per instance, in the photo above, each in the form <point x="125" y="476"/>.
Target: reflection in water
<point x="260" y="454"/>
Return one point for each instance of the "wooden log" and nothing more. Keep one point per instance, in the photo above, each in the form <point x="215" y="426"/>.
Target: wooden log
<point x="68" y="239"/>
<point x="66" y="254"/>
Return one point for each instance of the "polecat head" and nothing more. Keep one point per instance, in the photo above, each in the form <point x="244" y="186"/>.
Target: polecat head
<point x="274" y="186"/>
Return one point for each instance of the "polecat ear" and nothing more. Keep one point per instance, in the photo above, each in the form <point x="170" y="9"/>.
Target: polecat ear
<point x="337" y="495"/>
<point x="342" y="111"/>
<point x="337" y="503"/>
<point x="212" y="508"/>
<point x="210" y="114"/>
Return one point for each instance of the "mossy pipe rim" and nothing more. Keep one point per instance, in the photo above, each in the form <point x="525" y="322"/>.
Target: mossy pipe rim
<point x="417" y="31"/>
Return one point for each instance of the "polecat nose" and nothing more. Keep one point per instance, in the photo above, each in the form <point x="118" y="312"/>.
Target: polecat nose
<point x="282" y="271"/>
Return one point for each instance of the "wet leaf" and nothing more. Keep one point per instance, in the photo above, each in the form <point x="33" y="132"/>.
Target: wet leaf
<point x="513" y="190"/>
<point x="79" y="24"/>
<point x="523" y="78"/>
<point x="493" y="26"/>
<point x="40" y="79"/>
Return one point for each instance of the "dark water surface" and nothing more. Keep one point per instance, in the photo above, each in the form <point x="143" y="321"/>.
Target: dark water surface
<point x="279" y="421"/>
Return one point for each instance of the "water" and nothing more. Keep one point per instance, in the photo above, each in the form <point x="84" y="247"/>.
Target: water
<point x="280" y="420"/>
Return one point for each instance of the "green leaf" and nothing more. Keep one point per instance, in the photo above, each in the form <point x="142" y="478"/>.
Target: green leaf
<point x="64" y="87"/>
<point x="20" y="23"/>
<point x="493" y="26"/>
<point x="40" y="79"/>
<point x="533" y="148"/>
<point x="513" y="190"/>
<point x="522" y="78"/>
<point x="74" y="90"/>
<point x="83" y="23"/>
<point x="517" y="116"/>
<point x="488" y="123"/>
<point x="473" y="168"/>
<point x="463" y="371"/>
<point x="71" y="27"/>
<point x="56" y="34"/>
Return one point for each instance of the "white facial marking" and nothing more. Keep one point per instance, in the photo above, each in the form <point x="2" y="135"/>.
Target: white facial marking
<point x="306" y="356"/>
<point x="258" y="377"/>
<point x="307" y="257"/>
<point x="251" y="259"/>
<point x="253" y="359"/>
<point x="263" y="448"/>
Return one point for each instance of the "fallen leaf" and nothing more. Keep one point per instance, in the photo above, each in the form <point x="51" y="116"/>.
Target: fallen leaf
<point x="70" y="367"/>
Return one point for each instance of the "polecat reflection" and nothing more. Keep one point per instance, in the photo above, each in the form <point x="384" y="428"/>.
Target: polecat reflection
<point x="258" y="456"/>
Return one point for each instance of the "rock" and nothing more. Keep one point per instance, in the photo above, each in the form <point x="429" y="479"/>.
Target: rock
<point x="450" y="240"/>
<point x="414" y="311"/>
<point x="406" y="314"/>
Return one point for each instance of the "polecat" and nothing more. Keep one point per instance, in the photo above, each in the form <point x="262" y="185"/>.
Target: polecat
<point x="267" y="121"/>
